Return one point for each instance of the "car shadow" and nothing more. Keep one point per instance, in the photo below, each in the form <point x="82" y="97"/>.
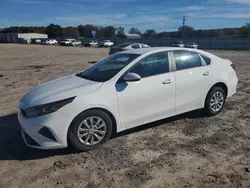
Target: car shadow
<point x="12" y="146"/>
<point x="189" y="115"/>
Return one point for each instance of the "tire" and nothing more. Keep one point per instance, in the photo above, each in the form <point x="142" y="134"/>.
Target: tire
<point x="209" y="108"/>
<point x="73" y="132"/>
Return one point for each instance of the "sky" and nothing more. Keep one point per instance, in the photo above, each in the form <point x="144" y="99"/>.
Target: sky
<point x="161" y="15"/>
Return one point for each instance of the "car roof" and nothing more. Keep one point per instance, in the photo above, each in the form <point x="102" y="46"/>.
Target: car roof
<point x="141" y="51"/>
<point x="130" y="43"/>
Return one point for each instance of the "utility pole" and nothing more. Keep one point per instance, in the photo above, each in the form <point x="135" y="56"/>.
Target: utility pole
<point x="183" y="26"/>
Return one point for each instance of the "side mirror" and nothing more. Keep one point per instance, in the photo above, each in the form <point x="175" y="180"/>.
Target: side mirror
<point x="132" y="77"/>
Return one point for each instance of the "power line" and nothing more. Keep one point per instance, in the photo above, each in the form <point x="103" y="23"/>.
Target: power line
<point x="183" y="26"/>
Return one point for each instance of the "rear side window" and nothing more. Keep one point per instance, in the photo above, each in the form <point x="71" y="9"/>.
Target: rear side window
<point x="135" y="46"/>
<point x="186" y="60"/>
<point x="206" y="59"/>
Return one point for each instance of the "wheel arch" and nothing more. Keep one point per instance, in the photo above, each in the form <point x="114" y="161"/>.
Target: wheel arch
<point x="219" y="84"/>
<point x="112" y="117"/>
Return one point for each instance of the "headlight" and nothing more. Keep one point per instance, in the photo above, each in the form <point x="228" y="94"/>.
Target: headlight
<point x="47" y="108"/>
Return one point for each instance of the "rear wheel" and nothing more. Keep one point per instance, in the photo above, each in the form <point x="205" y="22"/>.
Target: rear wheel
<point x="215" y="101"/>
<point x="89" y="130"/>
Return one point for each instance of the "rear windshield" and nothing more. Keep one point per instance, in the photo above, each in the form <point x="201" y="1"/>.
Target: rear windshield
<point x="105" y="69"/>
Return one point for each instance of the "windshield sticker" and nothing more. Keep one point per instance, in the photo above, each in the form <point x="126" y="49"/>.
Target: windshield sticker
<point x="122" y="59"/>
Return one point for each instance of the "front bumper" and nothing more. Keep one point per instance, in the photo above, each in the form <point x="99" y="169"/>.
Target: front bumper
<point x="45" y="132"/>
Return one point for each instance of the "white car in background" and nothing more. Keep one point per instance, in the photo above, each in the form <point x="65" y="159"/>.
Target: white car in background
<point x="90" y="43"/>
<point x="178" y="44"/>
<point x="127" y="46"/>
<point x="94" y="43"/>
<point x="122" y="91"/>
<point x="76" y="43"/>
<point x="191" y="45"/>
<point x="106" y="43"/>
<point x="51" y="42"/>
<point x="38" y="41"/>
<point x="67" y="42"/>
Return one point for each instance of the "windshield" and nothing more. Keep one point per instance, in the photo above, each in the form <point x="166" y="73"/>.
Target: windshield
<point x="105" y="69"/>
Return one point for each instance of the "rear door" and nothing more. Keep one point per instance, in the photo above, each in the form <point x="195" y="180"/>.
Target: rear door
<point x="193" y="80"/>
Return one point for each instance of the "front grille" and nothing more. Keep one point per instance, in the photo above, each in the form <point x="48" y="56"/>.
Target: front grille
<point x="29" y="140"/>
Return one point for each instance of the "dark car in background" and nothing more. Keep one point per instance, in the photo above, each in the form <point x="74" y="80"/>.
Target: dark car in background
<point x="127" y="46"/>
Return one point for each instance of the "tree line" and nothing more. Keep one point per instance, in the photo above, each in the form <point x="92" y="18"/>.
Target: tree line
<point x="56" y="31"/>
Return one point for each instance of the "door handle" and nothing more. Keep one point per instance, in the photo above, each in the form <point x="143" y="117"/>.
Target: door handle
<point x="206" y="73"/>
<point x="167" y="82"/>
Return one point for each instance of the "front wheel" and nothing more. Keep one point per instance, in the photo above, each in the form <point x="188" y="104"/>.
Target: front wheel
<point x="215" y="101"/>
<point x="89" y="130"/>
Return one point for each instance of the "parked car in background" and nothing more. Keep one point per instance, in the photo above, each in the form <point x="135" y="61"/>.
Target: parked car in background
<point x="106" y="43"/>
<point x="67" y="42"/>
<point x="178" y="44"/>
<point x="51" y="42"/>
<point x="122" y="91"/>
<point x="43" y="41"/>
<point x="191" y="45"/>
<point x="76" y="43"/>
<point x="127" y="46"/>
<point x="91" y="43"/>
<point x="38" y="41"/>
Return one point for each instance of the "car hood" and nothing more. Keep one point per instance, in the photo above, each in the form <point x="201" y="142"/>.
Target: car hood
<point x="59" y="89"/>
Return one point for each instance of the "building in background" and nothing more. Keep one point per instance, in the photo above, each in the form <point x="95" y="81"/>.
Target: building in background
<point x="21" y="37"/>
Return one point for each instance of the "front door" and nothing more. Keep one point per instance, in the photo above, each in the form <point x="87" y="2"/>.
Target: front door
<point x="150" y="99"/>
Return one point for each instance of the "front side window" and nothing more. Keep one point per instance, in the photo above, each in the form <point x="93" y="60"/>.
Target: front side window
<point x="186" y="60"/>
<point x="154" y="64"/>
<point x="105" y="69"/>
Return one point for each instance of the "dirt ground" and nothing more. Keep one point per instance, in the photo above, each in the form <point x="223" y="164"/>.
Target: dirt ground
<point x="184" y="151"/>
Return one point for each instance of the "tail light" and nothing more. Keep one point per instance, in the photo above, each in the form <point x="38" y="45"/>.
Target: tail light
<point x="122" y="50"/>
<point x="233" y="66"/>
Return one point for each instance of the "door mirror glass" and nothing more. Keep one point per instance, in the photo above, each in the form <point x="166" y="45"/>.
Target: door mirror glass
<point x="132" y="77"/>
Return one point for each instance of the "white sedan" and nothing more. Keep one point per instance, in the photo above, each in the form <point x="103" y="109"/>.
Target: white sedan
<point x="191" y="45"/>
<point x="122" y="91"/>
<point x="106" y="43"/>
<point x="51" y="42"/>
